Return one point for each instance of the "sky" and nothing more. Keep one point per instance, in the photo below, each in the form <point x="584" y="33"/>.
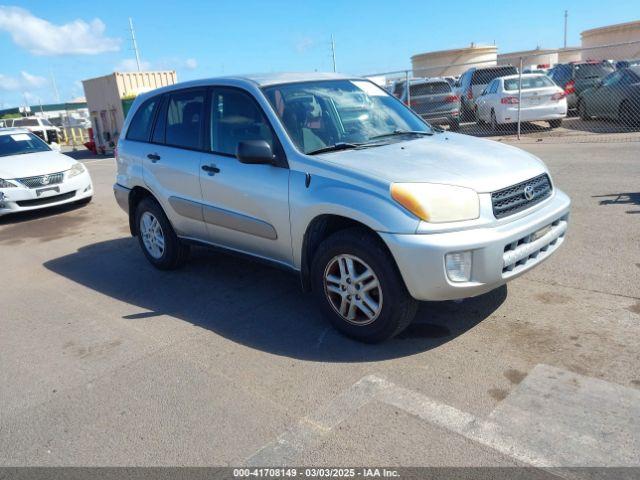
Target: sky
<point x="68" y="41"/>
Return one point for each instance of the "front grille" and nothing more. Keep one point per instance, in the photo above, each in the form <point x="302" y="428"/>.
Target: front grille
<point x="42" y="180"/>
<point x="46" y="200"/>
<point x="513" y="199"/>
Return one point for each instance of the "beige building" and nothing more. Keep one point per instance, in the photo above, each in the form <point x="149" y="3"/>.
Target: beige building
<point x="453" y="62"/>
<point x="612" y="34"/>
<point x="109" y="99"/>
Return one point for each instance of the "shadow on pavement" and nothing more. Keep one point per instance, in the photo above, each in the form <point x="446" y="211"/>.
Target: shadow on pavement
<point x="628" y="198"/>
<point x="252" y="304"/>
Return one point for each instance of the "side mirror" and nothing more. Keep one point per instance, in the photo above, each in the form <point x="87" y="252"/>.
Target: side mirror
<point x="255" y="152"/>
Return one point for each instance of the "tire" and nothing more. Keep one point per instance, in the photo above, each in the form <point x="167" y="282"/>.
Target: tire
<point x="555" y="123"/>
<point x="391" y="307"/>
<point x="84" y="201"/>
<point x="494" y="122"/>
<point x="172" y="253"/>
<point x="582" y="111"/>
<point x="625" y="116"/>
<point x="477" y="118"/>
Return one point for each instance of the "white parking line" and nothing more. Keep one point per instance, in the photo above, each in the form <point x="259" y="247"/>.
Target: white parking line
<point x="554" y="418"/>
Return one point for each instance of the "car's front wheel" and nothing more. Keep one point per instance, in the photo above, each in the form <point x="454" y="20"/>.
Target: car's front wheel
<point x="358" y="287"/>
<point x="158" y="240"/>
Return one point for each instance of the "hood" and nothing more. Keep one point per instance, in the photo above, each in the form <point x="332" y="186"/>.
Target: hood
<point x="448" y="158"/>
<point x="34" y="164"/>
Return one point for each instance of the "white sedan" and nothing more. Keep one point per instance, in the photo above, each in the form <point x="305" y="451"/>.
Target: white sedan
<point x="541" y="100"/>
<point x="33" y="175"/>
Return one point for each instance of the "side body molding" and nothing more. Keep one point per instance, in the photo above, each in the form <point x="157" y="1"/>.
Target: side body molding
<point x="223" y="218"/>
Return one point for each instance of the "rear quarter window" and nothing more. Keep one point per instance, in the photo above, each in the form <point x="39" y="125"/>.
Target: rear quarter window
<point x="140" y="127"/>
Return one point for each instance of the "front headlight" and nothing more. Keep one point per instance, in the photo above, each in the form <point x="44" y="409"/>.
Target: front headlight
<point x="437" y="203"/>
<point x="76" y="170"/>
<point x="5" y="184"/>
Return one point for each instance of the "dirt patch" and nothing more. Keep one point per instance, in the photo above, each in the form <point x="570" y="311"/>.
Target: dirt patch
<point x="86" y="351"/>
<point x="514" y="376"/>
<point x="552" y="298"/>
<point x="498" y="393"/>
<point x="635" y="308"/>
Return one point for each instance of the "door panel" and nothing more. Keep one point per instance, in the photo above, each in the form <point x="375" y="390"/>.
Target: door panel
<point x="246" y="207"/>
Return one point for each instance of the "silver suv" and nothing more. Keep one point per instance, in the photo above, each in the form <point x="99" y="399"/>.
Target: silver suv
<point x="338" y="181"/>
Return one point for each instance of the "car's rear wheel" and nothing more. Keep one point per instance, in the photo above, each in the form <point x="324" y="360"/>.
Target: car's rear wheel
<point x="358" y="287"/>
<point x="495" y="126"/>
<point x="626" y="116"/>
<point x="158" y="240"/>
<point x="582" y="111"/>
<point x="555" y="123"/>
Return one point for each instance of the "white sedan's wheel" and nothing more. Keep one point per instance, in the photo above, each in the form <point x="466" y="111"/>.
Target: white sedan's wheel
<point x="353" y="289"/>
<point x="152" y="235"/>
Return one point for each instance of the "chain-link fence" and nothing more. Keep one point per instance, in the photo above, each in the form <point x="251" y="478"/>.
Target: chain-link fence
<point x="571" y="91"/>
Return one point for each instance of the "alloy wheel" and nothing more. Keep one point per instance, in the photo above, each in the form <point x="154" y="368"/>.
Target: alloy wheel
<point x="152" y="235"/>
<point x="353" y="289"/>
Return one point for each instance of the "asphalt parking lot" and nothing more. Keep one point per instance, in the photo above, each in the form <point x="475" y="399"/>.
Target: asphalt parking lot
<point x="106" y="361"/>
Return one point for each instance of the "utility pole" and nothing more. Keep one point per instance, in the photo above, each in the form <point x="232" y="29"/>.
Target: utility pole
<point x="55" y="86"/>
<point x="566" y="15"/>
<point x="333" y="53"/>
<point x="135" y="45"/>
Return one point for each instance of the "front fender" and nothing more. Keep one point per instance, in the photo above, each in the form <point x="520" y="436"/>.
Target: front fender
<point x="370" y="206"/>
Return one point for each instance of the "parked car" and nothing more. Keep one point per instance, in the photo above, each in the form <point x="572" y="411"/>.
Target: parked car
<point x="574" y="78"/>
<point x="373" y="214"/>
<point x="434" y="100"/>
<point x="617" y="97"/>
<point x="39" y="126"/>
<point x="473" y="82"/>
<point x="33" y="175"/>
<point x="541" y="100"/>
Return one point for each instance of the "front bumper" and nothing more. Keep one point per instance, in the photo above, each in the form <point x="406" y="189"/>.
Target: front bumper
<point x="22" y="199"/>
<point x="499" y="254"/>
<point x="122" y="196"/>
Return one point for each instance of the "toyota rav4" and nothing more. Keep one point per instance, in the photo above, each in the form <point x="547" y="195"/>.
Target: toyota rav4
<point x="336" y="180"/>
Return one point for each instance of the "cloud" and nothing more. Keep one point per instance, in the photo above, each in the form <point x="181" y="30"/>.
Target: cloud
<point x="41" y="37"/>
<point x="130" y="65"/>
<point x="303" y="44"/>
<point x="190" y="63"/>
<point x="21" y="82"/>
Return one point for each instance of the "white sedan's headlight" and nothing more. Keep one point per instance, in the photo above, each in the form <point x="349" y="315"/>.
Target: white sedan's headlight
<point x="437" y="203"/>
<point x="5" y="184"/>
<point x="76" y="170"/>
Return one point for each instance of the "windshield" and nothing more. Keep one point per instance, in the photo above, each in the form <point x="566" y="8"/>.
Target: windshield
<point x="528" y="83"/>
<point x="588" y="71"/>
<point x="20" y="143"/>
<point x="25" y="122"/>
<point x="321" y="114"/>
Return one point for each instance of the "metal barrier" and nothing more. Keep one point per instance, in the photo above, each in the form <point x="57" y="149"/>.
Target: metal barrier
<point x="543" y="93"/>
<point x="74" y="136"/>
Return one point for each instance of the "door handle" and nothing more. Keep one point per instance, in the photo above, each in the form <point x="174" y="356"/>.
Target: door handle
<point x="154" y="157"/>
<point x="211" y="169"/>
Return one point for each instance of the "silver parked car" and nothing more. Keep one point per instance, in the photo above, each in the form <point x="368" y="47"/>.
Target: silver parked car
<point x="337" y="180"/>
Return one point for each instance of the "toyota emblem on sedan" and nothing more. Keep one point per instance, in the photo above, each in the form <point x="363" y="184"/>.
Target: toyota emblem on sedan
<point x="528" y="192"/>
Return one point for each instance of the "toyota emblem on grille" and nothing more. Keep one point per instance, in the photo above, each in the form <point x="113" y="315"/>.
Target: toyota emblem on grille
<point x="45" y="180"/>
<point x="528" y="192"/>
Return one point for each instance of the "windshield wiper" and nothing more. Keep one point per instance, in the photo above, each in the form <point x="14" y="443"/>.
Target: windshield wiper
<point x="334" y="148"/>
<point x="403" y="132"/>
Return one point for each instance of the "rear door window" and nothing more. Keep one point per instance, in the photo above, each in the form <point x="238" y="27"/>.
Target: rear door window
<point x="484" y="76"/>
<point x="185" y="119"/>
<point x="140" y="127"/>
